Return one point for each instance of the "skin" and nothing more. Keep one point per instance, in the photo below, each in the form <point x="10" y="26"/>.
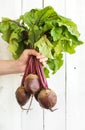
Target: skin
<point x="18" y="66"/>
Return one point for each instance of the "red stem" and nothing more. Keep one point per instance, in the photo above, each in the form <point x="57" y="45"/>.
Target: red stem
<point x="40" y="73"/>
<point x="35" y="67"/>
<point x="43" y="75"/>
<point x="25" y="73"/>
<point x="28" y="69"/>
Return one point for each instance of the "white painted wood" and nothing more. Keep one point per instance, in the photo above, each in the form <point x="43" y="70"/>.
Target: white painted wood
<point x="9" y="8"/>
<point x="10" y="112"/>
<point x="34" y="119"/>
<point x="59" y="6"/>
<point x="76" y="71"/>
<point x="57" y="83"/>
<point x="70" y="76"/>
<point x="28" y="5"/>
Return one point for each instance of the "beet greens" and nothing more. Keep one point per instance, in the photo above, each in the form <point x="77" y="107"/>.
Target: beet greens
<point x="46" y="31"/>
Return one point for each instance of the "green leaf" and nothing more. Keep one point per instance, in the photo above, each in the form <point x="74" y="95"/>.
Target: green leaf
<point x="70" y="25"/>
<point x="56" y="33"/>
<point x="44" y="46"/>
<point x="16" y="49"/>
<point x="58" y="48"/>
<point x="67" y="45"/>
<point x="47" y="72"/>
<point x="5" y="30"/>
<point x="55" y="64"/>
<point x="34" y="34"/>
<point x="30" y="17"/>
<point x="46" y="31"/>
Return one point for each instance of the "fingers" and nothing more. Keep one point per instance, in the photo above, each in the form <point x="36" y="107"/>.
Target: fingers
<point x="32" y="52"/>
<point x="42" y="59"/>
<point x="35" y="53"/>
<point x="38" y="55"/>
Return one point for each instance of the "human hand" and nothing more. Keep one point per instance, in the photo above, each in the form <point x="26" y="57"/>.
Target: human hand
<point x="22" y="61"/>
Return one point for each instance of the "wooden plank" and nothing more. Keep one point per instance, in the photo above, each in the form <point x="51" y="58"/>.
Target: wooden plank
<point x="10" y="8"/>
<point x="59" y="6"/>
<point x="76" y="71"/>
<point x="28" y="5"/>
<point x="56" y="120"/>
<point x="34" y="118"/>
<point x="10" y="112"/>
<point x="57" y="82"/>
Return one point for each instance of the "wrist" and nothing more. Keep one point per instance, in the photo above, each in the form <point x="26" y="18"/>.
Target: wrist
<point x="19" y="66"/>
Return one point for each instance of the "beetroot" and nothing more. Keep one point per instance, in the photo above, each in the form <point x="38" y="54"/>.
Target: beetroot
<point x="47" y="98"/>
<point x="31" y="83"/>
<point x="21" y="96"/>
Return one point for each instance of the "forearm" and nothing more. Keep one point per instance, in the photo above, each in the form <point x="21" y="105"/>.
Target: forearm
<point x="9" y="67"/>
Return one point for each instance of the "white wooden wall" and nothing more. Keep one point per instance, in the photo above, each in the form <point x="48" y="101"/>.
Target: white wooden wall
<point x="68" y="82"/>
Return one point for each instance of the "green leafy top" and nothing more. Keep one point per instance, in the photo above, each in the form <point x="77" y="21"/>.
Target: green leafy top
<point x="44" y="30"/>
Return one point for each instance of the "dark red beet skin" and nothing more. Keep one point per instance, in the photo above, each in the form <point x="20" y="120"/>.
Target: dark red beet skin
<point x="21" y="96"/>
<point x="47" y="98"/>
<point x="31" y="83"/>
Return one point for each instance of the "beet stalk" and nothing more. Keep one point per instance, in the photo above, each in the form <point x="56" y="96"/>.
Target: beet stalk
<point x="40" y="73"/>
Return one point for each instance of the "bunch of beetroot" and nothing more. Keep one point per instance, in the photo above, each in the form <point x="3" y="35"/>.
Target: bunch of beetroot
<point x="34" y="83"/>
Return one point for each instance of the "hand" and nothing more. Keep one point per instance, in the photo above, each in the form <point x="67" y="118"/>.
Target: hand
<point x="19" y="65"/>
<point x="22" y="61"/>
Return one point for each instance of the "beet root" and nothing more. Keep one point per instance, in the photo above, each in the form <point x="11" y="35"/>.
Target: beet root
<point x="21" y="96"/>
<point x="31" y="83"/>
<point x="47" y="98"/>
